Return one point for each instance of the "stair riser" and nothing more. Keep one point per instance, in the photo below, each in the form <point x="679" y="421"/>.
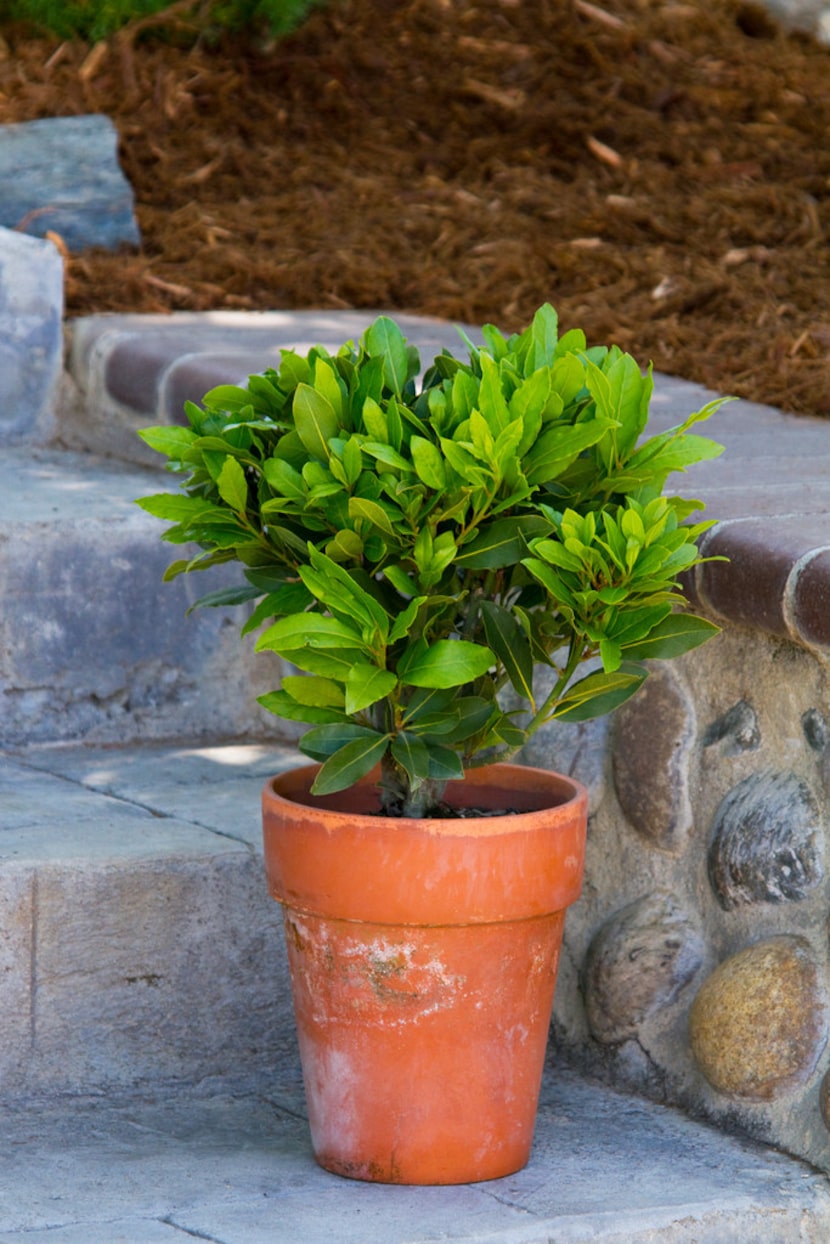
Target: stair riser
<point x="93" y="645"/>
<point x="151" y="971"/>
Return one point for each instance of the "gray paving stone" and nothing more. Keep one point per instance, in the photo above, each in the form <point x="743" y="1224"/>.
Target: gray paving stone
<point x="239" y="1170"/>
<point x="31" y="335"/>
<point x="61" y="174"/>
<point x="217" y="787"/>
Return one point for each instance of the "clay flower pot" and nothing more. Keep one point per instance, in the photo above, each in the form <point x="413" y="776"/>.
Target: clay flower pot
<point x="423" y="957"/>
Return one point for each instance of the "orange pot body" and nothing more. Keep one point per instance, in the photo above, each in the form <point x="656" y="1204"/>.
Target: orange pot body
<point x="423" y="958"/>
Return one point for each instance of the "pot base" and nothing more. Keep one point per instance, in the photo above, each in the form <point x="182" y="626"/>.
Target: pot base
<point x="422" y="1048"/>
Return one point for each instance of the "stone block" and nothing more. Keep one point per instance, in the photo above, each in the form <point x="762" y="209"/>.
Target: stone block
<point x="61" y="175"/>
<point x="93" y="643"/>
<point x="31" y="341"/>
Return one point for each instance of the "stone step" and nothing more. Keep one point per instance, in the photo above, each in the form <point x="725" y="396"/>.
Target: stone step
<point x="238" y="1169"/>
<point x="93" y="644"/>
<point x="138" y="944"/>
<point x="149" y="1079"/>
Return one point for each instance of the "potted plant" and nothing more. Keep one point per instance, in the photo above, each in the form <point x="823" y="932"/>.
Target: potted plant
<point x="416" y="551"/>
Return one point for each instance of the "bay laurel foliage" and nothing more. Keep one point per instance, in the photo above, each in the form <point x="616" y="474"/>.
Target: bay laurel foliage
<point x="417" y="549"/>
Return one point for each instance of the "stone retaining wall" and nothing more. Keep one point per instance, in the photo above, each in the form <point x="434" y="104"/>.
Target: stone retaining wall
<point x="696" y="964"/>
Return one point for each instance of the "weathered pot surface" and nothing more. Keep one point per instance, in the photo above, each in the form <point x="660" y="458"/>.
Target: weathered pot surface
<point x="423" y="958"/>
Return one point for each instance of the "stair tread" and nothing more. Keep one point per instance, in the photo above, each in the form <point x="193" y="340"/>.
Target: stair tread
<point x="239" y="1169"/>
<point x="73" y="801"/>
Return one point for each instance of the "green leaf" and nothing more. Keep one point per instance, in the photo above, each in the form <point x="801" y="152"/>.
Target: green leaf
<point x="284" y="705"/>
<point x="511" y="645"/>
<point x="492" y="403"/>
<point x="444" y="764"/>
<point x="366" y="684"/>
<point x="316" y="421"/>
<point x="544" y="329"/>
<point x="311" y="630"/>
<point x="225" y="597"/>
<point x="559" y="446"/>
<point x="314" y="691"/>
<point x="324" y="741"/>
<point x="362" y="507"/>
<point x="446" y="663"/>
<point x="428" y="463"/>
<point x="232" y="485"/>
<point x="327" y="662"/>
<point x="349" y="764"/>
<point x="388" y="456"/>
<point x="598" y="694"/>
<point x="678" y="633"/>
<point x="282" y="477"/>
<point x="502" y="542"/>
<point x="172" y="441"/>
<point x="405" y="620"/>
<point x="290" y="598"/>
<point x="178" y="509"/>
<point x="474" y="712"/>
<point x="346" y="546"/>
<point x="412" y="755"/>
<point x="384" y="339"/>
<point x="359" y="603"/>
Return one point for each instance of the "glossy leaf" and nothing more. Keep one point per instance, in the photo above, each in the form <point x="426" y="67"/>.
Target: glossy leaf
<point x="366" y="684"/>
<point x="349" y="764"/>
<point x="284" y="705"/>
<point x="446" y="663"/>
<point x="679" y="633"/>
<point x="599" y="694"/>
<point x="412" y="754"/>
<point x="316" y="421"/>
<point x="511" y="645"/>
<point x="323" y="741"/>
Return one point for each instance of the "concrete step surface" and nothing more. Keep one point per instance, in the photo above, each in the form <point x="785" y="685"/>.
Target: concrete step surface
<point x="138" y="944"/>
<point x="93" y="643"/>
<point x="238" y="1169"/>
<point x="149" y="1079"/>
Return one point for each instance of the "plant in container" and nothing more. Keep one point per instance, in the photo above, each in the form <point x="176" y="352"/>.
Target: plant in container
<point x="415" y="552"/>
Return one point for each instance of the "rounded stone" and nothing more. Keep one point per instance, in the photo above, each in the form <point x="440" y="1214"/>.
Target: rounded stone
<point x="816" y="730"/>
<point x="736" y="730"/>
<point x="637" y="964"/>
<point x="766" y="844"/>
<point x="652" y="736"/>
<point x="759" y="1023"/>
<point x="824" y="1099"/>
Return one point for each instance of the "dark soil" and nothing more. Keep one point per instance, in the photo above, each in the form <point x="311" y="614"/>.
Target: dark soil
<point x="659" y="171"/>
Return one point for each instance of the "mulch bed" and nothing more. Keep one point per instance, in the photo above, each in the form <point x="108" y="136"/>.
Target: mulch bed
<point x="659" y="171"/>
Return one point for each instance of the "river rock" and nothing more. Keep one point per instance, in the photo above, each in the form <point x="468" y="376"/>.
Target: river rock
<point x="637" y="963"/>
<point x="736" y="730"/>
<point x="652" y="735"/>
<point x="766" y="844"/>
<point x="61" y="175"/>
<point x="759" y="1023"/>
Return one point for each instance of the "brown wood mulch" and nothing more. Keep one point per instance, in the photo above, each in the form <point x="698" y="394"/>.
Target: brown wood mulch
<point x="659" y="171"/>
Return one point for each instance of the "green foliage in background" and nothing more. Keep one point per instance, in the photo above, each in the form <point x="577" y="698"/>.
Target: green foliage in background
<point x="418" y="550"/>
<point x="96" y="19"/>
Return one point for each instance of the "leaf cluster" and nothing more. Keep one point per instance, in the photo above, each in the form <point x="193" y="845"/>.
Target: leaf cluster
<point x="413" y="550"/>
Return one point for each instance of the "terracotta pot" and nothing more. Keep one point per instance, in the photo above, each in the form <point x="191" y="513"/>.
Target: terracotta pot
<point x="423" y="958"/>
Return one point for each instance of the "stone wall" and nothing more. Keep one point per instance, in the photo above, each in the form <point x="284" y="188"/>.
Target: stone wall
<point x="695" y="967"/>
